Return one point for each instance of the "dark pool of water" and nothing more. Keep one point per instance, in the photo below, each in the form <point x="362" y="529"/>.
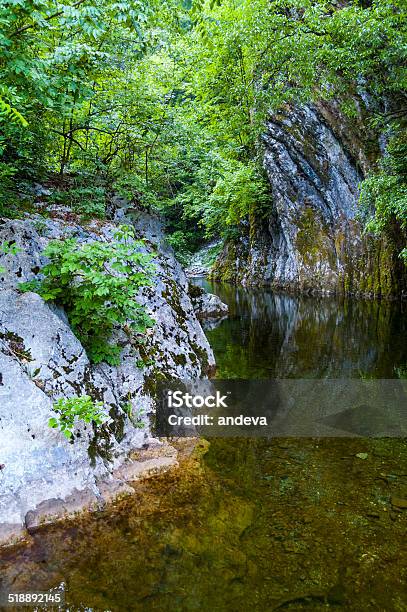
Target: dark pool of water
<point x="275" y="335"/>
<point x="254" y="525"/>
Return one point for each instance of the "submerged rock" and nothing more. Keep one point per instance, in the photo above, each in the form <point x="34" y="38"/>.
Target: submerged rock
<point x="208" y="305"/>
<point x="399" y="502"/>
<point x="44" y="476"/>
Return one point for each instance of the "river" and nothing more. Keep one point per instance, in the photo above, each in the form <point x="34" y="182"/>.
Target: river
<point x="275" y="335"/>
<point x="254" y="524"/>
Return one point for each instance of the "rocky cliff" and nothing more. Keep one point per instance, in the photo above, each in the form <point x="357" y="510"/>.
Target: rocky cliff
<point x="43" y="476"/>
<point x="311" y="239"/>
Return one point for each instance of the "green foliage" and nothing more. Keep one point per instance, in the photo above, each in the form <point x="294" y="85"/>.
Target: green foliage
<point x="165" y="102"/>
<point x="87" y="201"/>
<point x="256" y="56"/>
<point x="179" y="241"/>
<point x="75" y="409"/>
<point x="136" y="191"/>
<point x="234" y="191"/>
<point x="261" y="55"/>
<point x="7" y="190"/>
<point x="97" y="284"/>
<point x="9" y="113"/>
<point x="384" y="194"/>
<point x="8" y="248"/>
<point x="69" y="69"/>
<point x="238" y="193"/>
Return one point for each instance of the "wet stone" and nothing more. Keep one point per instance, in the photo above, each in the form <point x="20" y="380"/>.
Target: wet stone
<point x="399" y="502"/>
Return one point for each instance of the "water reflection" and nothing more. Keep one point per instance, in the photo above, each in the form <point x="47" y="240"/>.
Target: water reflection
<point x="274" y="335"/>
<point x="296" y="524"/>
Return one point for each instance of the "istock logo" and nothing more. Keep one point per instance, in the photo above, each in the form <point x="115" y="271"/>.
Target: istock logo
<point x="176" y="399"/>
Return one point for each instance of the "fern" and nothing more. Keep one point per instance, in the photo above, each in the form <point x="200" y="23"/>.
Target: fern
<point x="8" y="112"/>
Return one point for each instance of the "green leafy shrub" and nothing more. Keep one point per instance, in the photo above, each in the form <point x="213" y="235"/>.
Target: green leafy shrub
<point x="9" y="113"/>
<point x="383" y="196"/>
<point x="76" y="409"/>
<point x="97" y="284"/>
<point x="238" y="192"/>
<point x="8" y="196"/>
<point x="136" y="191"/>
<point x="87" y="201"/>
<point x="180" y="243"/>
<point x="9" y="248"/>
<point x="235" y="191"/>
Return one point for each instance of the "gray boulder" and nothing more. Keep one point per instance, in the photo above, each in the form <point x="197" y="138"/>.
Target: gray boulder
<point x="43" y="476"/>
<point x="209" y="306"/>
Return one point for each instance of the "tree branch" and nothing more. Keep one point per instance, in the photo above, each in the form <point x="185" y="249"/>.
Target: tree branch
<point x="53" y="16"/>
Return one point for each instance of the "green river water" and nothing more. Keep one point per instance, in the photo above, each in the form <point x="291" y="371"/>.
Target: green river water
<point x="246" y="524"/>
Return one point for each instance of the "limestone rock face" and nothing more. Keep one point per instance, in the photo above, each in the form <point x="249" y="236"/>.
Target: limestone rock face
<point x="312" y="239"/>
<point x="44" y="476"/>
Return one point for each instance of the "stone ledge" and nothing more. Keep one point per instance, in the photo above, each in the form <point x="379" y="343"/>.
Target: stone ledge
<point x="11" y="534"/>
<point x="150" y="462"/>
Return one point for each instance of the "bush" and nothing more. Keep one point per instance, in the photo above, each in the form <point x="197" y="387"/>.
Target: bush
<point x="135" y="191"/>
<point x="87" y="201"/>
<point x="97" y="284"/>
<point x="236" y="191"/>
<point x="76" y="409"/>
<point x="8" y="197"/>
<point x="383" y="196"/>
<point x="179" y="242"/>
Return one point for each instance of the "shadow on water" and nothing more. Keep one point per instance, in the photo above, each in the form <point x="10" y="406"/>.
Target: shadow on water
<point x="263" y="525"/>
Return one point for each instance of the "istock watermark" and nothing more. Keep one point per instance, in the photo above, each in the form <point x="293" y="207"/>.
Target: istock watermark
<point x="178" y="399"/>
<point x="282" y="408"/>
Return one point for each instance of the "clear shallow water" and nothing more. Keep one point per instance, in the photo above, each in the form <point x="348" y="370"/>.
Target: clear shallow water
<point x="253" y="524"/>
<point x="274" y="335"/>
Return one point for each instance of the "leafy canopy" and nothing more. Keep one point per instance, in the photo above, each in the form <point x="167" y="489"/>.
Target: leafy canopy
<point x="165" y="102"/>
